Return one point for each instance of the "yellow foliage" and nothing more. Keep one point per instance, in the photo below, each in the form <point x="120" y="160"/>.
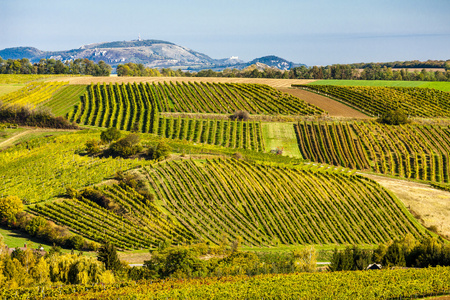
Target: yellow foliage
<point x="40" y="272"/>
<point x="107" y="277"/>
<point x="10" y="206"/>
<point x="305" y="259"/>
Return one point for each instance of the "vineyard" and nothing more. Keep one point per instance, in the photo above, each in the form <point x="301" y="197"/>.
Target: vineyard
<point x="205" y="201"/>
<point x="232" y="134"/>
<point x="358" y="285"/>
<point x="411" y="151"/>
<point x="417" y="102"/>
<point x="64" y="99"/>
<point x="139" y="225"/>
<point x="43" y="168"/>
<point x="265" y="205"/>
<point x="33" y="94"/>
<point x="128" y="106"/>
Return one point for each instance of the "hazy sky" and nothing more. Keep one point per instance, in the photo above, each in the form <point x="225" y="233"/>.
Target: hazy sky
<point x="314" y="32"/>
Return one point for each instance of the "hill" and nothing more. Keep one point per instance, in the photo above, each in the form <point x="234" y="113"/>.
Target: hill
<point x="151" y="53"/>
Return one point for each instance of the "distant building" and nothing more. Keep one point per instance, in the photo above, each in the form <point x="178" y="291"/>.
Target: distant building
<point x="374" y="267"/>
<point x="39" y="251"/>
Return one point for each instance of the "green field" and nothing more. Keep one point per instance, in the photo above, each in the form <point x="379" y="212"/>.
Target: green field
<point x="439" y="85"/>
<point x="65" y="99"/>
<point x="9" y="88"/>
<point x="281" y="136"/>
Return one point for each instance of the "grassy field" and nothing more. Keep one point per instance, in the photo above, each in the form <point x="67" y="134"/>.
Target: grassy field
<point x="65" y="98"/>
<point x="9" y="88"/>
<point x="439" y="85"/>
<point x="281" y="135"/>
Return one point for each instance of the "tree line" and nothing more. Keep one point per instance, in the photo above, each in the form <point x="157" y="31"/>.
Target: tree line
<point x="79" y="66"/>
<point x="373" y="71"/>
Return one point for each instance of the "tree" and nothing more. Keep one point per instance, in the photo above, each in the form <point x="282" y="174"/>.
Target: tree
<point x="162" y="150"/>
<point x="107" y="254"/>
<point x="305" y="260"/>
<point x="126" y="146"/>
<point x="110" y="134"/>
<point x="9" y="207"/>
<point x="240" y="115"/>
<point x="394" y="117"/>
<point x="75" y="242"/>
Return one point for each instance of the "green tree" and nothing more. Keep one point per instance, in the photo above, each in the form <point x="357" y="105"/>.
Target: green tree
<point x="9" y="207"/>
<point x="305" y="260"/>
<point x="75" y="242"/>
<point x="394" y="117"/>
<point x="126" y="146"/>
<point x="107" y="254"/>
<point x="92" y="147"/>
<point x="110" y="134"/>
<point x="162" y="150"/>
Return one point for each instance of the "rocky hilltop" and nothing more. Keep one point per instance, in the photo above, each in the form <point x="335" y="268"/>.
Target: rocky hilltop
<point x="151" y="53"/>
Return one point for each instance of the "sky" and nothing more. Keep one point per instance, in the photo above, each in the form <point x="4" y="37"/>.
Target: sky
<point x="313" y="32"/>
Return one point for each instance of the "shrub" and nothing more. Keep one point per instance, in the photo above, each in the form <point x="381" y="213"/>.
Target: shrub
<point x="240" y="115"/>
<point x="75" y="242"/>
<point x="110" y="134"/>
<point x="126" y="146"/>
<point x="9" y="207"/>
<point x="394" y="117"/>
<point x="162" y="150"/>
<point x="92" y="147"/>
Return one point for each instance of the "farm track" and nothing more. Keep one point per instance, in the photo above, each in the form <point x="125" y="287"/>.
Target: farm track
<point x="432" y="204"/>
<point x="276" y="83"/>
<point x="10" y="141"/>
<point x="334" y="108"/>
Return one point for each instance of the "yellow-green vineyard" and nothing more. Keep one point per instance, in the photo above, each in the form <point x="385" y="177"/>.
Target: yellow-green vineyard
<point x="205" y="201"/>
<point x="411" y="151"/>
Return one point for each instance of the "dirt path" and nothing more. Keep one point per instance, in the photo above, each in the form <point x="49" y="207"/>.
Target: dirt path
<point x="334" y="108"/>
<point x="10" y="141"/>
<point x="432" y="204"/>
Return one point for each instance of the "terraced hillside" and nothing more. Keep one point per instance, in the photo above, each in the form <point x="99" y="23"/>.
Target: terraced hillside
<point x="417" y="102"/>
<point x="411" y="151"/>
<point x="197" y="200"/>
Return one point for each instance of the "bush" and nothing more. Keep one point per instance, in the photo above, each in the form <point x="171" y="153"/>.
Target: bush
<point x="394" y="117"/>
<point x="92" y="147"/>
<point x="126" y="146"/>
<point x="75" y="242"/>
<point x="240" y="115"/>
<point x="9" y="207"/>
<point x="110" y="134"/>
<point x="162" y="150"/>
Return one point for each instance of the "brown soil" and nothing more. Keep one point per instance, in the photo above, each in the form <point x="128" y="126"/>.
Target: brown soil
<point x="431" y="206"/>
<point x="115" y="79"/>
<point x="334" y="108"/>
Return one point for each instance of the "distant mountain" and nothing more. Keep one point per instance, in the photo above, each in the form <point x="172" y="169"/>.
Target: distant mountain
<point x="151" y="53"/>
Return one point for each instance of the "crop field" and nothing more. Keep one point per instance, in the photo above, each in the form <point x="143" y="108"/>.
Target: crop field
<point x="231" y="134"/>
<point x="127" y="105"/>
<point x="33" y="94"/>
<point x="236" y="198"/>
<point x="203" y="201"/>
<point x="438" y="85"/>
<point x="275" y="83"/>
<point x="358" y="285"/>
<point x="375" y="101"/>
<point x="410" y="151"/>
<point x="64" y="99"/>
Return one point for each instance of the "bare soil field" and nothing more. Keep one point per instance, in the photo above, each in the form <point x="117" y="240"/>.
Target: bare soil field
<point x="433" y="204"/>
<point x="334" y="108"/>
<point x="276" y="83"/>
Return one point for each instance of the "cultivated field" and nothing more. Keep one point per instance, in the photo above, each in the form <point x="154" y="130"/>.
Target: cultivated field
<point x="276" y="83"/>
